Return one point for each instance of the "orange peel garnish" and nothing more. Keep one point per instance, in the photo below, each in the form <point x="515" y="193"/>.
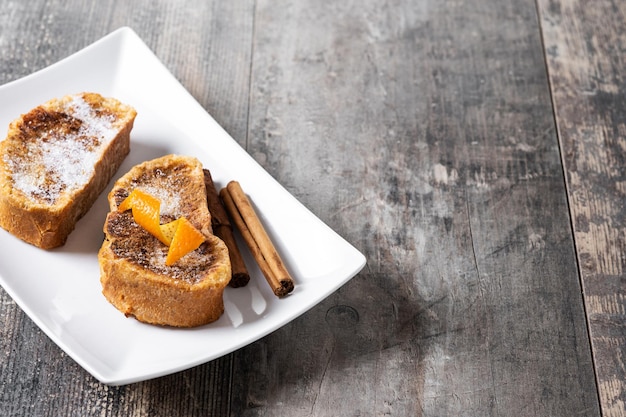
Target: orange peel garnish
<point x="146" y="212"/>
<point x="180" y="235"/>
<point x="186" y="238"/>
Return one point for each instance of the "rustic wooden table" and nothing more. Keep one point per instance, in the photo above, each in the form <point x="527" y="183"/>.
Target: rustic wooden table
<point x="473" y="150"/>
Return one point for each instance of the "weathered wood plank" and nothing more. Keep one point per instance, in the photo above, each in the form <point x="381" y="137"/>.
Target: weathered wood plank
<point x="585" y="45"/>
<point x="422" y="131"/>
<point x="207" y="47"/>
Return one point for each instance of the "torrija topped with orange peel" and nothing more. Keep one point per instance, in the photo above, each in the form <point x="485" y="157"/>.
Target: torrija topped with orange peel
<point x="180" y="235"/>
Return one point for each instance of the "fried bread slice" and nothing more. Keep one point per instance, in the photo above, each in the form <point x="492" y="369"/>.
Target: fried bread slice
<point x="55" y="162"/>
<point x="134" y="275"/>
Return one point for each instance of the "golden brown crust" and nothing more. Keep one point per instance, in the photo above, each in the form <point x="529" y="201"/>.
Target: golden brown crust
<point x="158" y="299"/>
<point x="134" y="276"/>
<point x="55" y="162"/>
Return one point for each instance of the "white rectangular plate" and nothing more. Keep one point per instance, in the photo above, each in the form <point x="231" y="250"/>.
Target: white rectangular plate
<point x="60" y="289"/>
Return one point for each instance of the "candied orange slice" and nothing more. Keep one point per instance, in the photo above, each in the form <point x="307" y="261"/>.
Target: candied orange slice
<point x="180" y="235"/>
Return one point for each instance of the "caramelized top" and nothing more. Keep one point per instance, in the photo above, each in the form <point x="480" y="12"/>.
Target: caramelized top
<point x="178" y="183"/>
<point x="134" y="243"/>
<point x="55" y="146"/>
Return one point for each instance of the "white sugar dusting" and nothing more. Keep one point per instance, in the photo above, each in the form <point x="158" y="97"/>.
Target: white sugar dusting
<point x="62" y="163"/>
<point x="169" y="199"/>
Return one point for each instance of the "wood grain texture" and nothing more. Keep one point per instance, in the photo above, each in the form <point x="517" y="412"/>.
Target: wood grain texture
<point x="422" y="132"/>
<point x="585" y="56"/>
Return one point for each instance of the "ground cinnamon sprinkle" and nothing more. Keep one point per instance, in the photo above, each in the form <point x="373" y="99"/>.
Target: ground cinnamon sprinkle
<point x="71" y="141"/>
<point x="143" y="249"/>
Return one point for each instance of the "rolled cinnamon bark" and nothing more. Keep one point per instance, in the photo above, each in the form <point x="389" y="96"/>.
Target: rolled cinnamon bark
<point x="243" y="215"/>
<point x="223" y="229"/>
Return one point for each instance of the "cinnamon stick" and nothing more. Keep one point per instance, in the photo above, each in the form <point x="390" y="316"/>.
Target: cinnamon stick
<point x="224" y="230"/>
<point x="243" y="215"/>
